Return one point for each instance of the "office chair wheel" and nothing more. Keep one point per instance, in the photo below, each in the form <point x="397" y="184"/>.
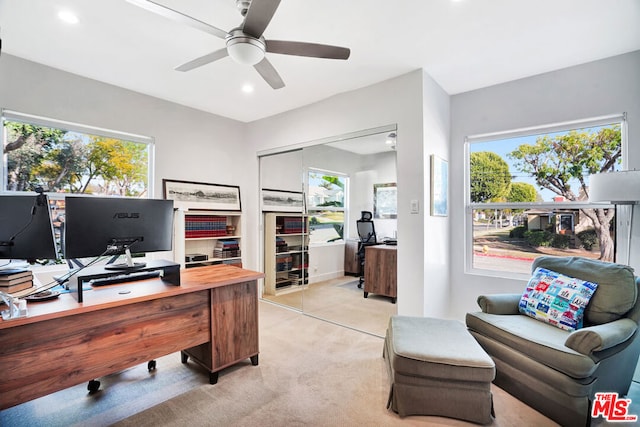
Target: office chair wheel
<point x="151" y="365"/>
<point x="359" y="285"/>
<point x="93" y="386"/>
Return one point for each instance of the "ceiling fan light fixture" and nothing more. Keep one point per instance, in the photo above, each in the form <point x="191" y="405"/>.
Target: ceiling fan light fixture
<point x="245" y="49"/>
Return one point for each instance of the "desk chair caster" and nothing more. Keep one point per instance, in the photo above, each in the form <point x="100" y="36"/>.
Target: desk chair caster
<point x="94" y="385"/>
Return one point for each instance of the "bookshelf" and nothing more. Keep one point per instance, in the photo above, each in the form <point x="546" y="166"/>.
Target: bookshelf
<point x="286" y="252"/>
<point x="207" y="238"/>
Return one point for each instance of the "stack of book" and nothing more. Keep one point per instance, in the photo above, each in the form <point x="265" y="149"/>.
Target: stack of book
<point x="283" y="262"/>
<point x="226" y="248"/>
<point x="15" y="280"/>
<point x="299" y="277"/>
<point x="281" y="245"/>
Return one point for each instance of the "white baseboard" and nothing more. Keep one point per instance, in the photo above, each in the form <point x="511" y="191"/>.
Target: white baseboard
<point x="325" y="276"/>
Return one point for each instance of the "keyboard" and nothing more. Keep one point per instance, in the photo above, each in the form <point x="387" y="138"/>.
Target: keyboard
<point x="124" y="278"/>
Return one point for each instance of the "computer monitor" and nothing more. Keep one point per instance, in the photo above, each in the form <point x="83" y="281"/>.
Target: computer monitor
<point x="26" y="230"/>
<point x="97" y="226"/>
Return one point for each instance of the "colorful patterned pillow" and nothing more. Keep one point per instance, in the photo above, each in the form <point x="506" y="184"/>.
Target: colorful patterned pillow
<point x="556" y="299"/>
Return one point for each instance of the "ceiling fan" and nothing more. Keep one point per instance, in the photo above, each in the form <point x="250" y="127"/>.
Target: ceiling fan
<point x="246" y="44"/>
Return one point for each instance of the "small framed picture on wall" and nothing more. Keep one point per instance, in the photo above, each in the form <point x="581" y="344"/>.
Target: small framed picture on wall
<point x="439" y="186"/>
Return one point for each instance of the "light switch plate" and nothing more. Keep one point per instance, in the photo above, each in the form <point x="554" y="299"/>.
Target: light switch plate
<point x="415" y="207"/>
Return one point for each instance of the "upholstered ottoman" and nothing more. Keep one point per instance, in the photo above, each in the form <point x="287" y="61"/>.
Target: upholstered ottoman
<point x="437" y="368"/>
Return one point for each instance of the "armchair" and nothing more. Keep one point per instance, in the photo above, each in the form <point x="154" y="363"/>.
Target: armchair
<point x="555" y="371"/>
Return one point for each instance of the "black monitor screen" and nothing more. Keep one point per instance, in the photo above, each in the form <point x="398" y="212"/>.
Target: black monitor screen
<point x="108" y="226"/>
<point x="26" y="231"/>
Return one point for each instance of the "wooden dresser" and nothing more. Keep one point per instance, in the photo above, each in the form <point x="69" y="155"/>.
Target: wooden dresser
<point x="380" y="271"/>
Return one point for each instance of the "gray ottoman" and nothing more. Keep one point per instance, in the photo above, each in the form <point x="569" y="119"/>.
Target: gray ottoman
<point x="437" y="368"/>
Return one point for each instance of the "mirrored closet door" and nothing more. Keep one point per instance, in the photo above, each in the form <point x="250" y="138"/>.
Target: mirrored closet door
<point x="285" y="230"/>
<point x="339" y="179"/>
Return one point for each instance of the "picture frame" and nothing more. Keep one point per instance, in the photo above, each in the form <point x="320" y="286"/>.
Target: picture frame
<point x="439" y="186"/>
<point x="282" y="201"/>
<point x="385" y="201"/>
<point x="202" y="195"/>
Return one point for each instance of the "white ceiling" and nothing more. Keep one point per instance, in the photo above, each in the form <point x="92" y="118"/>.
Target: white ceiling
<point x="463" y="45"/>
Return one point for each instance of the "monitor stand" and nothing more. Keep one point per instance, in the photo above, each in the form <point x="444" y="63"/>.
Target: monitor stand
<point x="126" y="266"/>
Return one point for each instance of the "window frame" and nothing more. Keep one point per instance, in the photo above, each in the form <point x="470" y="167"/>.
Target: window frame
<point x="621" y="216"/>
<point x="344" y="209"/>
<point x="14" y="116"/>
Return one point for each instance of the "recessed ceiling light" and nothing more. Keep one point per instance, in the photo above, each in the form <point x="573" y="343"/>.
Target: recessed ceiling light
<point x="247" y="88"/>
<point x="68" y="17"/>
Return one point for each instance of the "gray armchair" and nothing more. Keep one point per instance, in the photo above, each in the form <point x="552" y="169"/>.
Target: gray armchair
<point x="555" y="371"/>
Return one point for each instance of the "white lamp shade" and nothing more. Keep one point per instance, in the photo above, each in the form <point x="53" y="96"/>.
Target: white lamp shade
<point x="245" y="51"/>
<point x="618" y="188"/>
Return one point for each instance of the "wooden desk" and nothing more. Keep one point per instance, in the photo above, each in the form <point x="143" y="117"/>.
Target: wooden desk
<point x="212" y="318"/>
<point x="380" y="271"/>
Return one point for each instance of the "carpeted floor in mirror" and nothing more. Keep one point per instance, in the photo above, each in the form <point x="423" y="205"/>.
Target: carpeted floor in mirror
<point x="311" y="372"/>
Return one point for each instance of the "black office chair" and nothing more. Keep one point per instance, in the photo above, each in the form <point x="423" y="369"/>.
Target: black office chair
<point x="367" y="235"/>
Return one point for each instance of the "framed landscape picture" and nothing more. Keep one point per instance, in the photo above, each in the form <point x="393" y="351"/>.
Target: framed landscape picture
<point x="201" y="195"/>
<point x="282" y="201"/>
<point x="385" y="201"/>
<point x="439" y="186"/>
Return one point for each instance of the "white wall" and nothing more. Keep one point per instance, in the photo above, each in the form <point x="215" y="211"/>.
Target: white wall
<point x="377" y="168"/>
<point x="437" y="236"/>
<point x="596" y="89"/>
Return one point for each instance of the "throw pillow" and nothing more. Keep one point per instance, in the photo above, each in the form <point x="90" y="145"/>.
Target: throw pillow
<point x="617" y="288"/>
<point x="556" y="299"/>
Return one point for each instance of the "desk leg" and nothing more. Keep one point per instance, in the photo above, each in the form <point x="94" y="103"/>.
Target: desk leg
<point x="213" y="377"/>
<point x="254" y="360"/>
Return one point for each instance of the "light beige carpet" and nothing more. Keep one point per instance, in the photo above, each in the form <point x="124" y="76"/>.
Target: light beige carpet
<point x="311" y="372"/>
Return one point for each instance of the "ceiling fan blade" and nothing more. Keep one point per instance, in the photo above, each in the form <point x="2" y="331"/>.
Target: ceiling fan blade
<point x="258" y="16"/>
<point x="203" y="60"/>
<point x="174" y="15"/>
<point x="307" y="49"/>
<point x="269" y="74"/>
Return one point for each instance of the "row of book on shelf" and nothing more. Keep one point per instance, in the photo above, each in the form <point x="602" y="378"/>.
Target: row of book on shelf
<point x="15" y="280"/>
<point x="290" y="225"/>
<point x="287" y="262"/>
<point x="205" y="226"/>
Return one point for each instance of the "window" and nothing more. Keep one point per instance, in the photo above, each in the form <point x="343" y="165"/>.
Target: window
<point x="527" y="195"/>
<point x="325" y="205"/>
<point x="62" y="158"/>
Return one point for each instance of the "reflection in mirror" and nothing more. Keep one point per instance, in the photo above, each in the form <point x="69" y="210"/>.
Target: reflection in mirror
<point x="283" y="240"/>
<point x="339" y="180"/>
